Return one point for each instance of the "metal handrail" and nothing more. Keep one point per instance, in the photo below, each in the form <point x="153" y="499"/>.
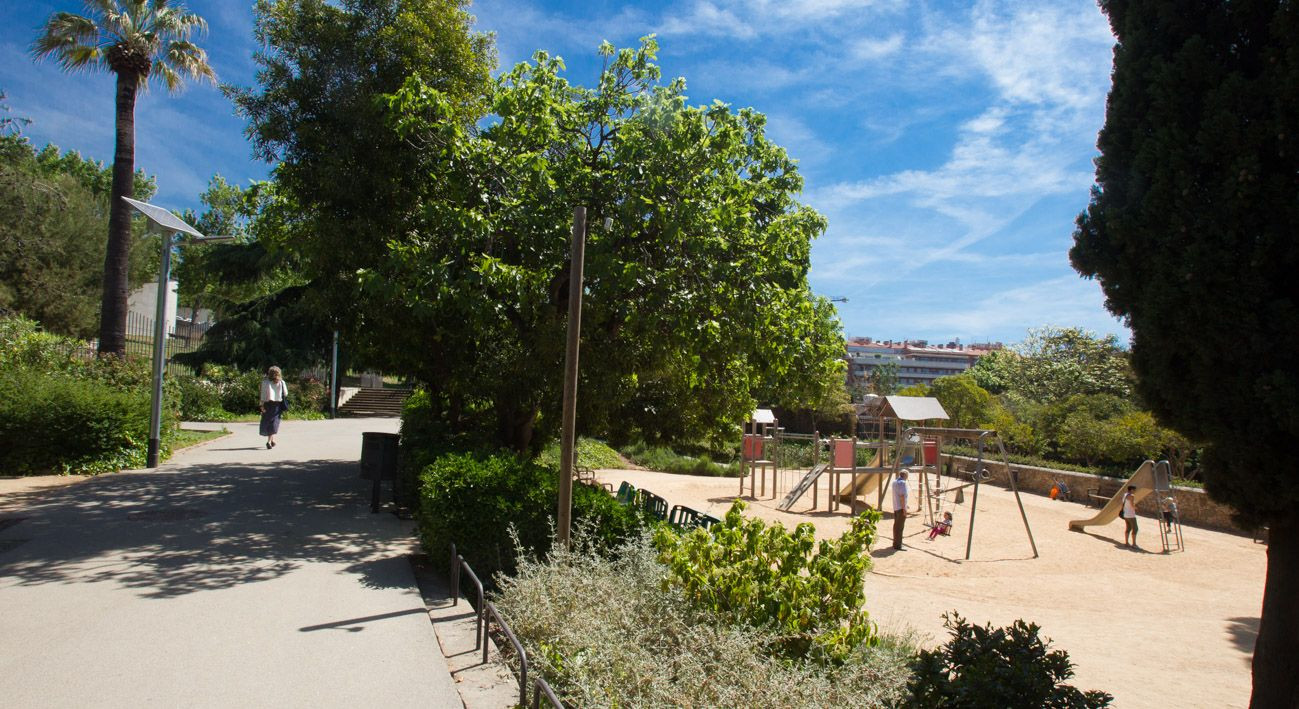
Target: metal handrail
<point x="540" y="687"/>
<point x="457" y="564"/>
<point x="518" y="647"/>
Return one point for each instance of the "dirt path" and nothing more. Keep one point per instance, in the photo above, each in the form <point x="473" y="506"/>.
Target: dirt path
<point x="1152" y="629"/>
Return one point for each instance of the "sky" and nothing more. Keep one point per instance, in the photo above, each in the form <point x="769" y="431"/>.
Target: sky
<point x="949" y="145"/>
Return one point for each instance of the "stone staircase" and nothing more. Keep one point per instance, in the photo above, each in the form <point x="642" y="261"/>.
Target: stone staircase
<point x="375" y="403"/>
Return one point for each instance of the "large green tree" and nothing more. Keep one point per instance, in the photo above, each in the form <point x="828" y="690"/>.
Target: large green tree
<point x="136" y="40"/>
<point x="53" y="230"/>
<point x="697" y="302"/>
<point x="1191" y="233"/>
<point x="346" y="182"/>
<point x="1055" y="363"/>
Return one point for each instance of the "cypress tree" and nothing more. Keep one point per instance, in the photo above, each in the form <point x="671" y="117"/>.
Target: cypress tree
<point x="1191" y="232"/>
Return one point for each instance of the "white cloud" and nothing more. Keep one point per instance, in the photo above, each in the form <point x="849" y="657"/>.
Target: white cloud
<point x="875" y="49"/>
<point x="707" y="18"/>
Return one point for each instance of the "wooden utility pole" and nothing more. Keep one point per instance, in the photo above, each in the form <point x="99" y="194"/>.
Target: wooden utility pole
<point x="567" y="457"/>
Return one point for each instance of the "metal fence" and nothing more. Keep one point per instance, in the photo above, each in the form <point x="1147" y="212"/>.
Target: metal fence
<point x="139" y="341"/>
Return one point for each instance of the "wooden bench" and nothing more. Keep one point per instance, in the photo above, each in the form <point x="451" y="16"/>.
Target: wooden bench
<point x="1094" y="496"/>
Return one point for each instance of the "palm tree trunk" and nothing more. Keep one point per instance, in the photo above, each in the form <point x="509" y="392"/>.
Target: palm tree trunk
<point x="117" y="259"/>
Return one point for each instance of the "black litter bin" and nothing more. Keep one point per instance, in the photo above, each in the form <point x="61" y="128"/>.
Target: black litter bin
<point x="379" y="461"/>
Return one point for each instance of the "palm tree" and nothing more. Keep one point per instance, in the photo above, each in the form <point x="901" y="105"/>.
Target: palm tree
<point x="137" y="40"/>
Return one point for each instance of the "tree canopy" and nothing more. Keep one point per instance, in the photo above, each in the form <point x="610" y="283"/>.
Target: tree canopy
<point x="1191" y="233"/>
<point x="53" y="232"/>
<point x="697" y="302"/>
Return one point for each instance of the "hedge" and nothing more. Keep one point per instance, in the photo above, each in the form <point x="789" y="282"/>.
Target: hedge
<point x="51" y="423"/>
<point x="473" y="499"/>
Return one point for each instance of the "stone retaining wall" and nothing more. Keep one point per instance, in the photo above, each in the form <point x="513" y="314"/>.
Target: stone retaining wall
<point x="1193" y="505"/>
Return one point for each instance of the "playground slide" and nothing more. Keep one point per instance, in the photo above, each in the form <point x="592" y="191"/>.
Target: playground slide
<point x="868" y="482"/>
<point x="803" y="486"/>
<point x="1143" y="479"/>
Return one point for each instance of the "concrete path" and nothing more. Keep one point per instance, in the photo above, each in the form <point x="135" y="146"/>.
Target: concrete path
<point x="231" y="576"/>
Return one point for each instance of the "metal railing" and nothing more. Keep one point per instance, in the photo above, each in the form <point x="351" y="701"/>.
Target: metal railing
<point x="540" y="687"/>
<point x="482" y="627"/>
<point x="458" y="564"/>
<point x="518" y="647"/>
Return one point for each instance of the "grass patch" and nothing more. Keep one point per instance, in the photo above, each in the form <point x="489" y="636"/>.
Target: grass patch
<point x="185" y="439"/>
<point x="666" y="460"/>
<point x="591" y="453"/>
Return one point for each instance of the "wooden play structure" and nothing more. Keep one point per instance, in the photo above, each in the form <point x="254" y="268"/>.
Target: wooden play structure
<point x="888" y="445"/>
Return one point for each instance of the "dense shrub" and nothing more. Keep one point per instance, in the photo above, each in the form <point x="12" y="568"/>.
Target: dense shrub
<point x="665" y="460"/>
<point x="57" y="424"/>
<point x="198" y="399"/>
<point x="994" y="668"/>
<point x="604" y="631"/>
<point x="241" y="392"/>
<point x="809" y="594"/>
<point x="473" y="500"/>
<point x="308" y="395"/>
<point x="590" y="453"/>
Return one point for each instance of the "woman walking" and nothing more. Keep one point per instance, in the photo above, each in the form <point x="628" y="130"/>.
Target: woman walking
<point x="274" y="401"/>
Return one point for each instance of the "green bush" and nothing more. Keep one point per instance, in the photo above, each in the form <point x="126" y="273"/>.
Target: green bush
<point x="746" y="571"/>
<point x="24" y="346"/>
<point x="308" y="395"/>
<point x="473" y="500"/>
<point x="1002" y="667"/>
<point x="240" y="391"/>
<point x="590" y="453"/>
<point x="665" y="460"/>
<point x="56" y="424"/>
<point x="198" y="399"/>
<point x="603" y="631"/>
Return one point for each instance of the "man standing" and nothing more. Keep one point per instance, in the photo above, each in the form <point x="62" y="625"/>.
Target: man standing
<point x="901" y="497"/>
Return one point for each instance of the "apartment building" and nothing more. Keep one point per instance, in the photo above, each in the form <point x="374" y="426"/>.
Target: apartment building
<point x="918" y="362"/>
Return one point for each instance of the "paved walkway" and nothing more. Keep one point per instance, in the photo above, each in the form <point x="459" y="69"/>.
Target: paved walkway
<point x="231" y="576"/>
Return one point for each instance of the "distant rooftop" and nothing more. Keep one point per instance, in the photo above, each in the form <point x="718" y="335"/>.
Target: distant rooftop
<point x="925" y="346"/>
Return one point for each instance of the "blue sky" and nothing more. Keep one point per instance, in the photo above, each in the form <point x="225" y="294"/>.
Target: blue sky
<point x="950" y="145"/>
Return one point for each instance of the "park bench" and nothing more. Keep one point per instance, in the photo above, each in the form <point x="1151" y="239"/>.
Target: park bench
<point x="1094" y="496"/>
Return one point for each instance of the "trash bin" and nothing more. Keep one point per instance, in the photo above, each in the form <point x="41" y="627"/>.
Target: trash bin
<point x="379" y="455"/>
<point x="379" y="461"/>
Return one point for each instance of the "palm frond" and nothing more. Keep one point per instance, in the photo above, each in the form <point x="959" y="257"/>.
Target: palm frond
<point x="71" y="39"/>
<point x="179" y="22"/>
<point x="165" y="74"/>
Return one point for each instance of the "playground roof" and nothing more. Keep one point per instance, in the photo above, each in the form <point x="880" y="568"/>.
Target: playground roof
<point x="913" y="408"/>
<point x="763" y="416"/>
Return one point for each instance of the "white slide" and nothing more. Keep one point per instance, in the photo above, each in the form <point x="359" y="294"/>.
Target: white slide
<point x="1143" y="479"/>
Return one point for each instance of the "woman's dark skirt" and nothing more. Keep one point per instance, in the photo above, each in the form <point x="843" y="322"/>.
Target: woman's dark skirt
<point x="271" y="419"/>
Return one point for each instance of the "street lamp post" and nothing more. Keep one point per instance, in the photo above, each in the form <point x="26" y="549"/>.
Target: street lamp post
<point x="172" y="229"/>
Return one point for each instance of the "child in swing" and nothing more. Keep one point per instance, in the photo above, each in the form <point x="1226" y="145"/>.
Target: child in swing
<point x="944" y="527"/>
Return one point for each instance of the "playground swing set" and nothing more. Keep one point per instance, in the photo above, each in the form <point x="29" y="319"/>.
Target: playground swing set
<point x="915" y="448"/>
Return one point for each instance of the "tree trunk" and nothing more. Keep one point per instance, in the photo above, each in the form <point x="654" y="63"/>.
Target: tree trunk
<point x="117" y="258"/>
<point x="516" y="428"/>
<point x="1276" y="652"/>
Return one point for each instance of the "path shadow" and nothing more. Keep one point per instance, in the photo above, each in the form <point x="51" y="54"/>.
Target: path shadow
<point x="1243" y="633"/>
<point x="204" y="527"/>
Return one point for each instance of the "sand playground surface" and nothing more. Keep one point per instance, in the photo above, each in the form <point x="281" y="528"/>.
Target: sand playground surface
<point x="1152" y="629"/>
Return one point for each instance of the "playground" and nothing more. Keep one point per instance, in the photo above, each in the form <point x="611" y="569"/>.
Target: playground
<point x="1152" y="629"/>
<point x="1170" y="623"/>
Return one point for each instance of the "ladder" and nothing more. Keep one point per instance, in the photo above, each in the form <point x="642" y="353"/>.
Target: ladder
<point x="1170" y="522"/>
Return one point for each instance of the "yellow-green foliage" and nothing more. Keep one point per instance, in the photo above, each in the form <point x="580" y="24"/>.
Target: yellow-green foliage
<point x="746" y="571"/>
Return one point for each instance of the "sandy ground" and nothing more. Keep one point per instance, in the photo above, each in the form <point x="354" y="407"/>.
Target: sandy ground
<point x="1153" y="629"/>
